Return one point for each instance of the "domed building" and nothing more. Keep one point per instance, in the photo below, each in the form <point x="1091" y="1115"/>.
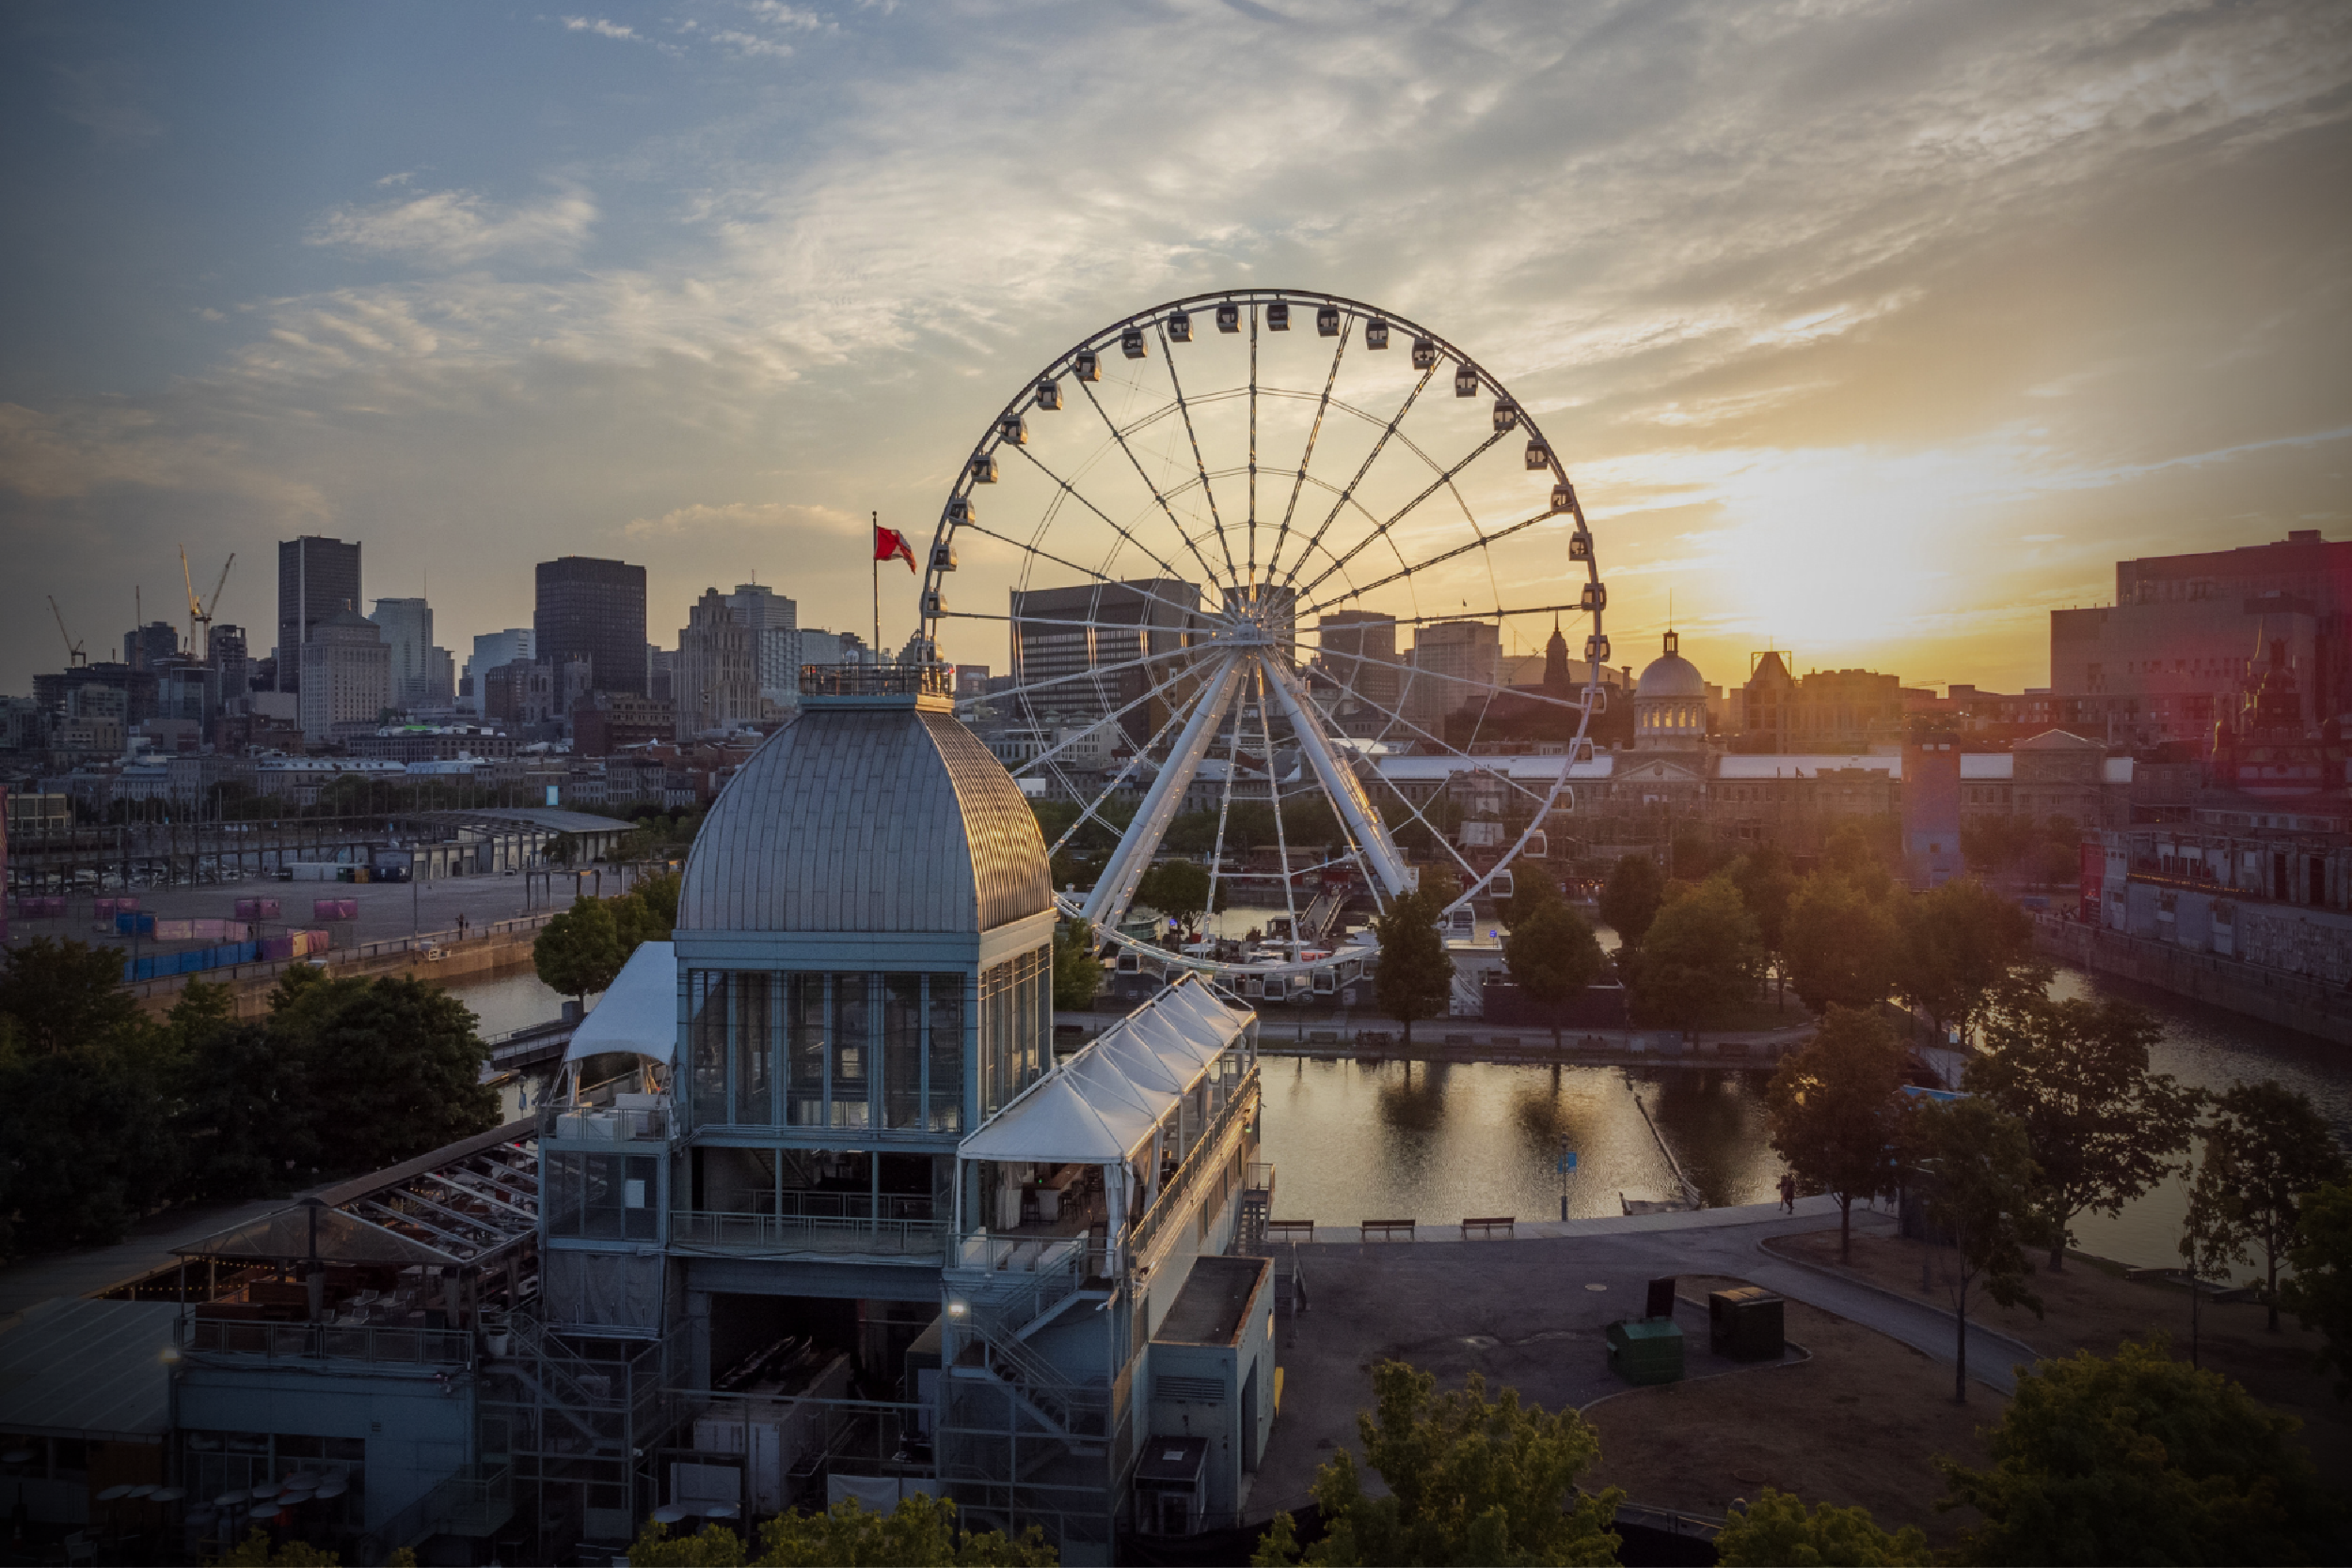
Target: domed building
<point x="867" y="1147"/>
<point x="1670" y="702"/>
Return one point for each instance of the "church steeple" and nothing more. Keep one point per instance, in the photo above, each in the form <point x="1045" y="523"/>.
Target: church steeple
<point x="1557" y="681"/>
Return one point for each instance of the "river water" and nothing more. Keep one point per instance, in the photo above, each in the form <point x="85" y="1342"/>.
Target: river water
<point x="1440" y="1143"/>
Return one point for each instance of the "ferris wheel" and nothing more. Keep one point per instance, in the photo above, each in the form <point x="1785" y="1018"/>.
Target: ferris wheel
<point x="1199" y="533"/>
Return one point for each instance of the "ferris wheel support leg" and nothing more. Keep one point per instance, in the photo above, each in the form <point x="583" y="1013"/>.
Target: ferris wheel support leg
<point x="1346" y="791"/>
<point x="1117" y="885"/>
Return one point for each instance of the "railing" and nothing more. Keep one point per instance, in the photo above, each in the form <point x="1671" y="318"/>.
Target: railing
<point x="877" y="680"/>
<point x="605" y="1124"/>
<point x="1175" y="1193"/>
<point x="742" y="1232"/>
<point x="427" y="1347"/>
<point x="463" y="1504"/>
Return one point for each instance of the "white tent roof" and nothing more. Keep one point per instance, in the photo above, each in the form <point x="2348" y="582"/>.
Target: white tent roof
<point x="638" y="1012"/>
<point x="1104" y="1103"/>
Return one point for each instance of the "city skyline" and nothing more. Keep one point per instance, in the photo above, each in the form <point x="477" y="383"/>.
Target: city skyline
<point x="2055" y="290"/>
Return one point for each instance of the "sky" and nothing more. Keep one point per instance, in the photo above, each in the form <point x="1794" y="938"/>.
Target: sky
<point x="1871" y="331"/>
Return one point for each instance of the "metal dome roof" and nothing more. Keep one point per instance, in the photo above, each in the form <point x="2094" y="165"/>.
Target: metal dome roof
<point x="873" y="818"/>
<point x="1669" y="676"/>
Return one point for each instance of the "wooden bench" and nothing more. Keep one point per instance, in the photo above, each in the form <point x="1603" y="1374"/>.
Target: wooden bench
<point x="1507" y="1224"/>
<point x="1387" y="1230"/>
<point x="1290" y="1230"/>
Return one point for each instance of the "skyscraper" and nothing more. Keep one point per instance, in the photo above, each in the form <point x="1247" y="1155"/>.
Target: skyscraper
<point x="1085" y="652"/>
<point x="317" y="578"/>
<point x="715" y="686"/>
<point x="493" y="650"/>
<point x="1455" y="664"/>
<point x="408" y="633"/>
<point x="774" y="623"/>
<point x="594" y="609"/>
<point x="1358" y="649"/>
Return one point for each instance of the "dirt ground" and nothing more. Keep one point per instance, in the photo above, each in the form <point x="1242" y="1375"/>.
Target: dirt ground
<point x="2089" y="1305"/>
<point x="1861" y="1423"/>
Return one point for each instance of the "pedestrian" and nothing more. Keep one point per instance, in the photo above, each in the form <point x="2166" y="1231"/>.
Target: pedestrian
<point x="1787" y="1192"/>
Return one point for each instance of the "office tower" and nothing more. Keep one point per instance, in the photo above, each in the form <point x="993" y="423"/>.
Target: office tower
<point x="151" y="644"/>
<point x="346" y="674"/>
<point x="1078" y="653"/>
<point x="229" y="658"/>
<point x="317" y="578"/>
<point x="491" y="651"/>
<point x="594" y="609"/>
<point x="407" y="626"/>
<point x="714" y="684"/>
<point x="774" y="623"/>
<point x="1358" y="650"/>
<point x="1454" y="665"/>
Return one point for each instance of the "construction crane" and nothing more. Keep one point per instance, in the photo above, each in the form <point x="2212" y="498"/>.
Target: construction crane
<point x="201" y="613"/>
<point x="75" y="656"/>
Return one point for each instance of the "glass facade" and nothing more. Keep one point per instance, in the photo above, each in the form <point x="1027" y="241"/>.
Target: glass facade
<point x="860" y="1052"/>
<point x="611" y="1196"/>
<point x="1016" y="1027"/>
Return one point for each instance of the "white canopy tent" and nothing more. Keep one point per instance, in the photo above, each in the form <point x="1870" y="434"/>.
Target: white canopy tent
<point x="638" y="1012"/>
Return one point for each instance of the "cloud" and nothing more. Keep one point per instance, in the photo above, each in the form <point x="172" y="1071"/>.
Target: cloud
<point x="776" y="519"/>
<point x="457" y="228"/>
<point x="603" y="28"/>
<point x="107" y="98"/>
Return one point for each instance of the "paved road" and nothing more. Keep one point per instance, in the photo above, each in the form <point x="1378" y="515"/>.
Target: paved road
<point x="1530" y="1313"/>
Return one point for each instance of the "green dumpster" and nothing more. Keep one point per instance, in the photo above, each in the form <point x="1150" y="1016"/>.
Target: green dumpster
<point x="1648" y="1350"/>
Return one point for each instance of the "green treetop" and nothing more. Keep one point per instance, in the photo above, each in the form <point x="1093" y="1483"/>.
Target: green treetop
<point x="2274" y="1147"/>
<point x="1630" y="898"/>
<point x="1470" y="1480"/>
<point x="2101" y="1128"/>
<point x="1415" y="979"/>
<point x="1833" y="1112"/>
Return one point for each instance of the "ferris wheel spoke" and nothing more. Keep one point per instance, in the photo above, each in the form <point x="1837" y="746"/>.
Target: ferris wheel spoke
<point x="1224" y="805"/>
<point x="1483" y="542"/>
<point x="1098" y="672"/>
<point x="1083" y="499"/>
<point x="1439" y="740"/>
<point x="1274" y="794"/>
<point x="1116" y="886"/>
<point x="1121" y="584"/>
<point x="1094" y="809"/>
<point x="1345" y="791"/>
<point x="1208" y="491"/>
<point x="1443" y="480"/>
<point x="1347" y="493"/>
<point x="1306" y="458"/>
<point x="1159" y="689"/>
<point x="1120" y="437"/>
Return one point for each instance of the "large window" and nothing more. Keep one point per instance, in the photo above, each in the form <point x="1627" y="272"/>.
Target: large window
<point x="608" y="1196"/>
<point x="1016" y="1027"/>
<point x="841" y="1049"/>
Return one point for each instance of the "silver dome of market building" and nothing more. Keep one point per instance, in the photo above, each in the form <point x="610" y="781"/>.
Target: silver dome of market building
<point x="1670" y="701"/>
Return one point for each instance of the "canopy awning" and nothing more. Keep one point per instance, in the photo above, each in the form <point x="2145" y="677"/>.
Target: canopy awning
<point x="1107" y="1101"/>
<point x="639" y="1011"/>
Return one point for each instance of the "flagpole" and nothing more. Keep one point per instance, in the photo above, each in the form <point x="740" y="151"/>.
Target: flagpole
<point x="876" y="553"/>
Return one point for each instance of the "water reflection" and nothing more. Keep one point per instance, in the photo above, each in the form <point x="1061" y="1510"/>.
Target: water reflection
<point x="1354" y="1141"/>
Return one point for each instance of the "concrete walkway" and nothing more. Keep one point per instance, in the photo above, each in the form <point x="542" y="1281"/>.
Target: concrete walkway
<point x="1730" y="1241"/>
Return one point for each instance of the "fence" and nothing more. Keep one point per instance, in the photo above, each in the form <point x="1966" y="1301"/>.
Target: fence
<point x="425" y="1347"/>
<point x="738" y="1232"/>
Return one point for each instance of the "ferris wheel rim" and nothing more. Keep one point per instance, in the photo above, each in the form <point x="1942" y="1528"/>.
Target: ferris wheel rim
<point x="1590" y="692"/>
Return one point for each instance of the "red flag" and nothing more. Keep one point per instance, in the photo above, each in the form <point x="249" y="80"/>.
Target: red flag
<point x="889" y="544"/>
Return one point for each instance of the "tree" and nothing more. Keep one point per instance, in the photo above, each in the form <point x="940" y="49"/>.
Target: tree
<point x="2274" y="1147"/>
<point x="2212" y="1238"/>
<point x="2136" y="1458"/>
<point x="1954" y="944"/>
<point x="1776" y="1530"/>
<point x="647" y="913"/>
<point x="2321" y="1290"/>
<point x="258" y="1551"/>
<point x="65" y="995"/>
<point x="392" y="1067"/>
<point x="1833" y="1112"/>
<point x="1857" y="853"/>
<point x="1415" y="977"/>
<point x="1976" y="1178"/>
<point x="2101" y="1128"/>
<point x="1840" y="944"/>
<point x="1766" y="884"/>
<point x="920" y="1532"/>
<point x="1077" y="973"/>
<point x="1700" y="953"/>
<point x="1179" y="889"/>
<point x="1552" y="955"/>
<point x="579" y="950"/>
<point x="1469" y="1481"/>
<point x="86" y="1147"/>
<point x="1630" y="898"/>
